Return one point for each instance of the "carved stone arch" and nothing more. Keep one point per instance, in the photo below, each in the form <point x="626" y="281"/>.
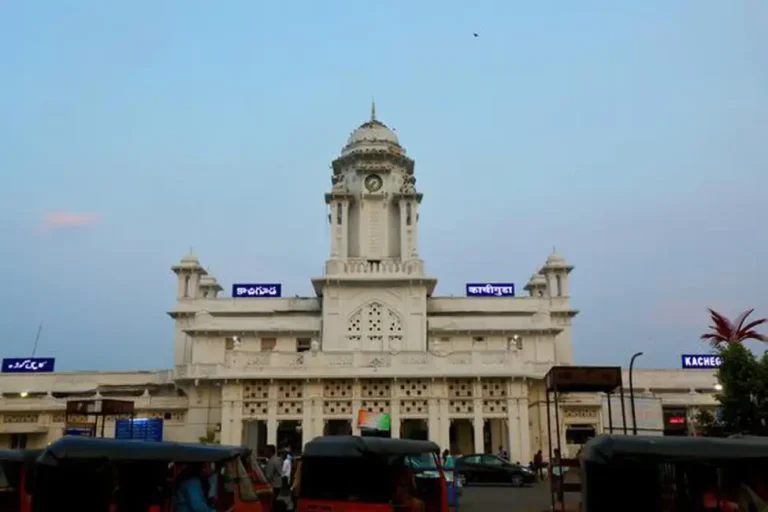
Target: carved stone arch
<point x="375" y="326"/>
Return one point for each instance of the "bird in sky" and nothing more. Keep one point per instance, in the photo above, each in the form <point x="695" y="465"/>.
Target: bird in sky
<point x="475" y="34"/>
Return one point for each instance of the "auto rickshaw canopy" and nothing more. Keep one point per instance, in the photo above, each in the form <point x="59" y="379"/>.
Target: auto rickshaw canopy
<point x="357" y="446"/>
<point x="607" y="449"/>
<point x="115" y="450"/>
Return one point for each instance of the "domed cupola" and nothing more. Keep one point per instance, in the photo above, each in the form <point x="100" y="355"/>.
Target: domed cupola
<point x="373" y="136"/>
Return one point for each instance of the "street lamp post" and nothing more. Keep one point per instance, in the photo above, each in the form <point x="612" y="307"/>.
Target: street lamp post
<point x="632" y="392"/>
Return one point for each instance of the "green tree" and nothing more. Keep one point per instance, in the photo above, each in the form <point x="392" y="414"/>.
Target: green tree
<point x="743" y="377"/>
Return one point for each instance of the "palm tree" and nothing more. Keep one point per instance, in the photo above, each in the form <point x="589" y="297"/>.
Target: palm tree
<point x="725" y="331"/>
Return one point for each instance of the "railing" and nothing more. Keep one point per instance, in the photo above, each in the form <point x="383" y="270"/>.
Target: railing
<point x="250" y="364"/>
<point x="384" y="267"/>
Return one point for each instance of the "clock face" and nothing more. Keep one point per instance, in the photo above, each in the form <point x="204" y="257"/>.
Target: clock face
<point x="373" y="182"/>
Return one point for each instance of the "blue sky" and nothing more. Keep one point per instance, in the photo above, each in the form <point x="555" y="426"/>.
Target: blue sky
<point x="631" y="135"/>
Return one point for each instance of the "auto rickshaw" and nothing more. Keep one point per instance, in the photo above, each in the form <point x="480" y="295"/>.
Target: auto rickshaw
<point x="109" y="475"/>
<point x="641" y="473"/>
<point x="370" y="474"/>
<point x="16" y="472"/>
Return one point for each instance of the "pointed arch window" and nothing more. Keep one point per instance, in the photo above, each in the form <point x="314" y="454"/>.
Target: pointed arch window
<point x="408" y="214"/>
<point x="374" y="327"/>
<point x="559" y="285"/>
<point x="338" y="213"/>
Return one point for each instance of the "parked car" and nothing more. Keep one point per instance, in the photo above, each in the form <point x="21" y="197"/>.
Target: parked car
<point x="483" y="468"/>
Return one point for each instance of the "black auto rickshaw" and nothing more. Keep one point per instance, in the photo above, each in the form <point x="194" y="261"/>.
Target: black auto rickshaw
<point x="370" y="474"/>
<point x="78" y="473"/>
<point x="642" y="473"/>
<point x="16" y="472"/>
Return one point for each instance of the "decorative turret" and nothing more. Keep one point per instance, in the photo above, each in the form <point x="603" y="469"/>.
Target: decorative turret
<point x="189" y="272"/>
<point x="209" y="287"/>
<point x="537" y="285"/>
<point x="555" y="272"/>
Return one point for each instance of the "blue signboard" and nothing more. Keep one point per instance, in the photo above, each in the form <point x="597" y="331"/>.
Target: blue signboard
<point x="145" y="429"/>
<point x="490" y="290"/>
<point x="28" y="365"/>
<point x="700" y="361"/>
<point x="256" y="290"/>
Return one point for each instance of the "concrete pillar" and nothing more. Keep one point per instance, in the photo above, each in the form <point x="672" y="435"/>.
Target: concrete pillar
<point x="307" y="419"/>
<point x="272" y="415"/>
<point x="445" y="425"/>
<point x="433" y="419"/>
<point x="524" y="434"/>
<point x="394" y="417"/>
<point x="231" y="414"/>
<point x="477" y="421"/>
<point x="357" y="404"/>
<point x="513" y="433"/>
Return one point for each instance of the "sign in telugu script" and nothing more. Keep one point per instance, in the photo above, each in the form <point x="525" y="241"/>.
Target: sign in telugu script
<point x="256" y="290"/>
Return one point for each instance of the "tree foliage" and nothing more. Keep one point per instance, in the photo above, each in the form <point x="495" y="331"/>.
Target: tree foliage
<point x="723" y="331"/>
<point x="743" y="377"/>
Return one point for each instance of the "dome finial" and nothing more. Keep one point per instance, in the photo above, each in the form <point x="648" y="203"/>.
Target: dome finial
<point x="373" y="110"/>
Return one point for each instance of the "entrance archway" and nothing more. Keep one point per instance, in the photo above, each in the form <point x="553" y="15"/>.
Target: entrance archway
<point x="462" y="436"/>
<point x="255" y="436"/>
<point x="289" y="435"/>
<point x="414" y="429"/>
<point x="337" y="428"/>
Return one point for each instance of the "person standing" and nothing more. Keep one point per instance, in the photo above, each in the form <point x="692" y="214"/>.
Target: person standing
<point x="287" y="466"/>
<point x="503" y="454"/>
<point x="273" y="471"/>
<point x="538" y="464"/>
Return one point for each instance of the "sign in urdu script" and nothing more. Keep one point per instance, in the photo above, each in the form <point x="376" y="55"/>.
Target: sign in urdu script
<point x="256" y="290"/>
<point x="700" y="361"/>
<point x="28" y="365"/>
<point x="490" y="290"/>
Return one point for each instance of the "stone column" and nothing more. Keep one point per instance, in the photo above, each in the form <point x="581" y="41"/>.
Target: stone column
<point x="433" y="421"/>
<point x="272" y="415"/>
<point x="307" y="420"/>
<point x="232" y="414"/>
<point x="357" y="403"/>
<point x="525" y="431"/>
<point x="445" y="425"/>
<point x="477" y="421"/>
<point x="394" y="417"/>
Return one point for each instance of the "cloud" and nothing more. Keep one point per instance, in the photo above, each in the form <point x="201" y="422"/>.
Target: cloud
<point x="63" y="220"/>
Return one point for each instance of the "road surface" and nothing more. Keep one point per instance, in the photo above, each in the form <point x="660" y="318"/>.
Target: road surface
<point x="505" y="499"/>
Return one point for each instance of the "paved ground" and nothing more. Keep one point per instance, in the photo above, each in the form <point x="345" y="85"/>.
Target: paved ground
<point x="505" y="499"/>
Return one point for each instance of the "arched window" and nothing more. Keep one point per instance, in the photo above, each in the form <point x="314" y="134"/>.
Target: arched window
<point x="186" y="286"/>
<point x="375" y="327"/>
<point x="559" y="285"/>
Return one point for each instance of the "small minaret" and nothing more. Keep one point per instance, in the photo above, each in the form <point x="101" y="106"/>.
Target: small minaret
<point x="555" y="272"/>
<point x="537" y="286"/>
<point x="209" y="287"/>
<point x="189" y="272"/>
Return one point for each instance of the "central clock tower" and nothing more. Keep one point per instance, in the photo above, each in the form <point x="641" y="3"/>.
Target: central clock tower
<point x="374" y="288"/>
<point x="373" y="202"/>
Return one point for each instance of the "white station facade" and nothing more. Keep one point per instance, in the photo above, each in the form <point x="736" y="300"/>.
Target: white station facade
<point x="373" y="352"/>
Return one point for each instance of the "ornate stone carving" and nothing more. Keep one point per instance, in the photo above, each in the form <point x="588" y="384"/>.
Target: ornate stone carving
<point x="258" y="360"/>
<point x="340" y="360"/>
<point x="409" y="185"/>
<point x="416" y="359"/>
<point x="376" y="327"/>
